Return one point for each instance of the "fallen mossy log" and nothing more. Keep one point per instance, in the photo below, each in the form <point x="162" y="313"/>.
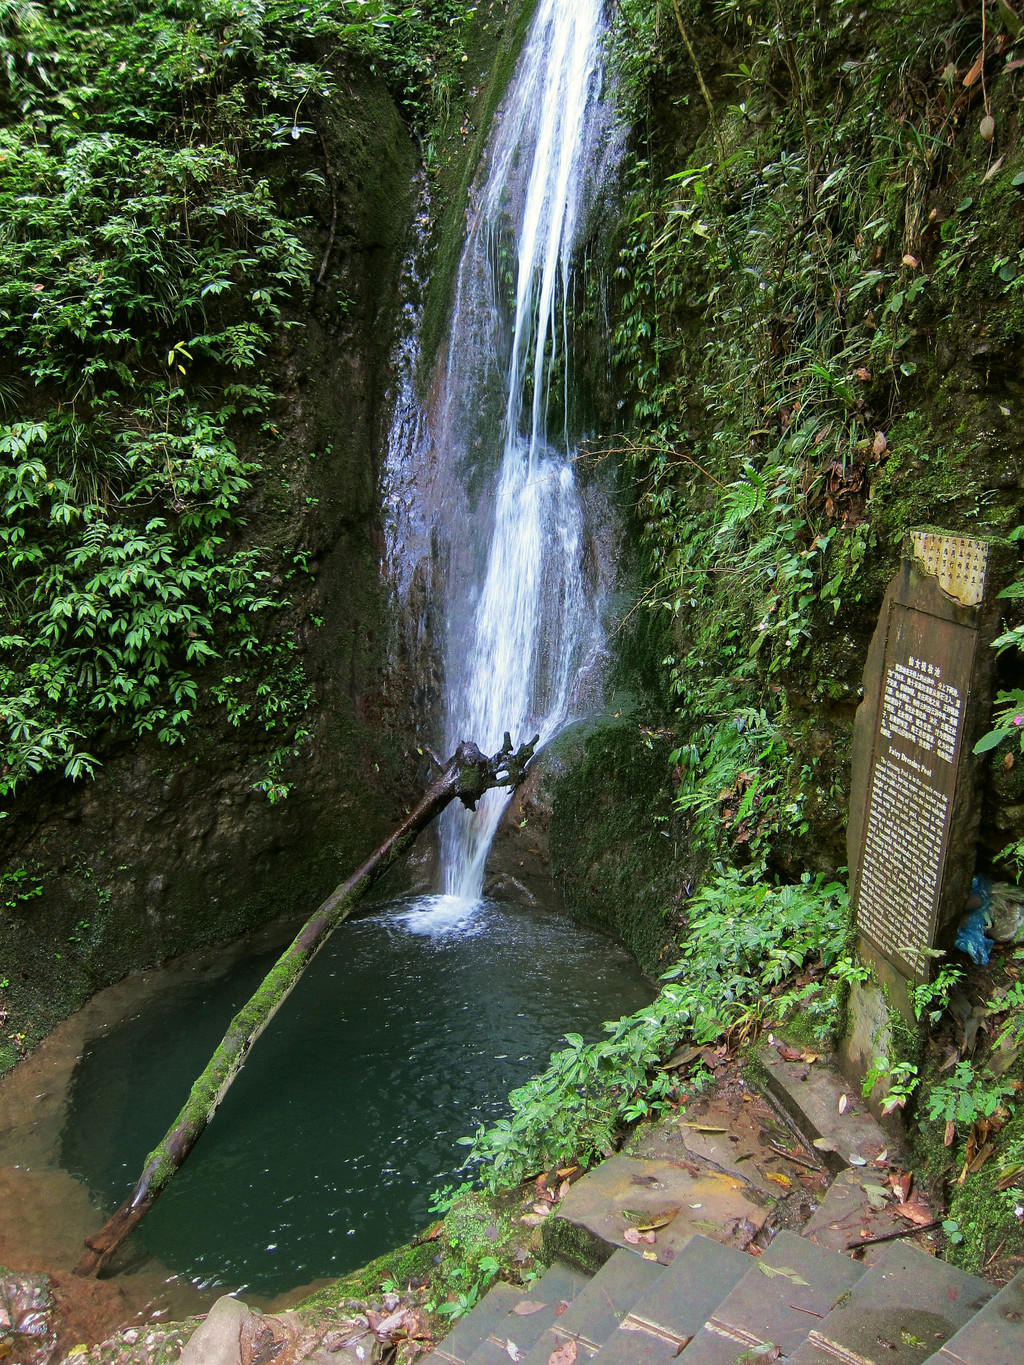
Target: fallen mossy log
<point x="467" y="775"/>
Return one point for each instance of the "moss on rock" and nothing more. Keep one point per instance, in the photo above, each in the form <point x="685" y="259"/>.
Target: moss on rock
<point x="615" y="841"/>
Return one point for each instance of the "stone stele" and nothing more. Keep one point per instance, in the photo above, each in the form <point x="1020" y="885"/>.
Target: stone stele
<point x="913" y="809"/>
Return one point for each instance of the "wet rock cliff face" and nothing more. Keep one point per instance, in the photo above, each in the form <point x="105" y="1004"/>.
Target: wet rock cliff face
<point x="172" y="847"/>
<point x="904" y="298"/>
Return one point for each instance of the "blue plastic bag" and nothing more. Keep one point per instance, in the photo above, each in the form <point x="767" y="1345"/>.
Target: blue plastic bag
<point x="970" y="937"/>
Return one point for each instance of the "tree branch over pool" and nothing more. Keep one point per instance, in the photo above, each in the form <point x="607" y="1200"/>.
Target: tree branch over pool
<point x="467" y="775"/>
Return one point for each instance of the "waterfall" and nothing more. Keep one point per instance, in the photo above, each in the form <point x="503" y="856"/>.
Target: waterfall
<point x="510" y="535"/>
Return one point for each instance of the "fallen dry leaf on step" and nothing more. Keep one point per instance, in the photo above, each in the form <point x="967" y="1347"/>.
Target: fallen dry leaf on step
<point x="876" y="1196"/>
<point x="700" y="1127"/>
<point x="564" y="1354"/>
<point x="914" y="1212"/>
<point x="796" y="1054"/>
<point x="542" y="1209"/>
<point x="393" y="1322"/>
<point x="513" y="1351"/>
<point x="824" y="1145"/>
<point x="563" y="1189"/>
<point x="525" y="1307"/>
<point x="950" y="1133"/>
<point x="782" y="1271"/>
<point x="561" y="1307"/>
<point x="565" y="1171"/>
<point x="901" y="1182"/>
<point x="844" y="1100"/>
<point x="649" y="1255"/>
<point x="782" y="1180"/>
<point x="634" y="1236"/>
<point x="657" y="1220"/>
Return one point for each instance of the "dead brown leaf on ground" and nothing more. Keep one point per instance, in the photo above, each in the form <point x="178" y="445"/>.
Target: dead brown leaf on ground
<point x="564" y="1354"/>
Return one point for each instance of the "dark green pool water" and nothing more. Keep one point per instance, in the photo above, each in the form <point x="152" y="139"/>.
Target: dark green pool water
<point x="409" y="1029"/>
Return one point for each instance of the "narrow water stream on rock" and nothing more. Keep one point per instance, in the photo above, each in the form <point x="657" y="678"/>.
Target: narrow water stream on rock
<point x="490" y="513"/>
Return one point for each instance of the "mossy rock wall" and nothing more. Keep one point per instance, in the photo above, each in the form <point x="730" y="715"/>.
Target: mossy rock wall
<point x="615" y="843"/>
<point x="820" y="340"/>
<point x="172" y="847"/>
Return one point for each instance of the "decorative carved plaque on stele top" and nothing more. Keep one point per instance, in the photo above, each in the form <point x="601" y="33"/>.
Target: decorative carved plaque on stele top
<point x="913" y="819"/>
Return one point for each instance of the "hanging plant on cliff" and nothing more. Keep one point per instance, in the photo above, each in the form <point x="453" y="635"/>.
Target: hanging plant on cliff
<point x="146" y="272"/>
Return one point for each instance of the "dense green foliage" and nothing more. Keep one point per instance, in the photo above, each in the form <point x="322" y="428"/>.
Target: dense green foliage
<point x="745" y="939"/>
<point x="802" y="264"/>
<point x="818" y="329"/>
<point x="149" y="262"/>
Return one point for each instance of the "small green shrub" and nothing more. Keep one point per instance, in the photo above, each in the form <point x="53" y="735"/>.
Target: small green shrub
<point x="745" y="938"/>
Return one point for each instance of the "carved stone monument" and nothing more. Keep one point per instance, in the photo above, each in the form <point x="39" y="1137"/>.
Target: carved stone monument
<point x="913" y="809"/>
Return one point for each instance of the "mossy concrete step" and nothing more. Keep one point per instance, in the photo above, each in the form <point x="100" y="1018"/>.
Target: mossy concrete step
<point x="478" y="1324"/>
<point x="824" y="1109"/>
<point x="596" y="1312"/>
<point x="995" y="1336"/>
<point x="543" y="1304"/>
<point x="675" y="1198"/>
<point x="899" y="1313"/>
<point x="787" y="1291"/>
<point x="674" y="1310"/>
<point x="636" y="1348"/>
<point x="735" y="1131"/>
<point x="848" y="1214"/>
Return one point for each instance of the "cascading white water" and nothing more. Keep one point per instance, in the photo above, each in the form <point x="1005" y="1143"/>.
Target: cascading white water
<point x="506" y="518"/>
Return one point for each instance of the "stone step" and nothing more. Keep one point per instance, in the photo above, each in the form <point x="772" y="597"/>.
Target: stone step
<point x="738" y="1134"/>
<point x="469" y="1334"/>
<point x="847" y="1213"/>
<point x="900" y="1312"/>
<point x="598" y="1309"/>
<point x="673" y="1311"/>
<point x="995" y="1336"/>
<point x="678" y="1197"/>
<point x="787" y="1291"/>
<point x="811" y="1096"/>
<point x="520" y="1329"/>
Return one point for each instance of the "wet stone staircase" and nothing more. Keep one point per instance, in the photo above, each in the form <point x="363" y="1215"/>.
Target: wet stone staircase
<point x="717" y="1284"/>
<point x="715" y="1305"/>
